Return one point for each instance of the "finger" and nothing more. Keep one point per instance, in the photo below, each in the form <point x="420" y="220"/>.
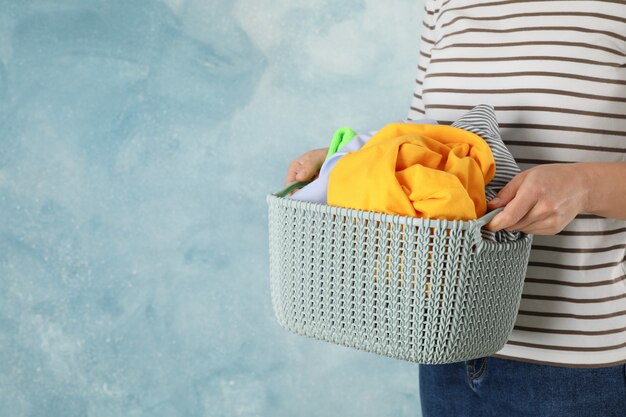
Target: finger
<point x="304" y="174"/>
<point x="507" y="193"/>
<point x="292" y="172"/>
<point x="534" y="216"/>
<point x="514" y="211"/>
<point x="539" y="228"/>
<point x="550" y="225"/>
<point x="307" y="166"/>
<point x="309" y="169"/>
<point x="291" y="177"/>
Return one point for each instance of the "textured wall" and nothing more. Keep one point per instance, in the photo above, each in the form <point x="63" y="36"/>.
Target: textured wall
<point x="138" y="140"/>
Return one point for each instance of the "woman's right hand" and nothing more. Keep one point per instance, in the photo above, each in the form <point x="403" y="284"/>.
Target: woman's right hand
<point x="306" y="166"/>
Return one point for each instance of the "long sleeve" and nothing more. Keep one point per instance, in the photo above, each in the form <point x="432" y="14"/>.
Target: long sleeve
<point x="427" y="40"/>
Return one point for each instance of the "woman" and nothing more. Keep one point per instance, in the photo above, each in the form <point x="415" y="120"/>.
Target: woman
<point x="555" y="71"/>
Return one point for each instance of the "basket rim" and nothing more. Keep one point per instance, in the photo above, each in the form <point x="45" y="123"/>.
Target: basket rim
<point x="272" y="199"/>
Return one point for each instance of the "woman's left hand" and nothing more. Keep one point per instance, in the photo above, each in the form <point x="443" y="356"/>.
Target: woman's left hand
<point x="541" y="200"/>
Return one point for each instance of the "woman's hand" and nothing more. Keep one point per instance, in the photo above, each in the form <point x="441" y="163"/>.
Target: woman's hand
<point x="542" y="200"/>
<point x="306" y="166"/>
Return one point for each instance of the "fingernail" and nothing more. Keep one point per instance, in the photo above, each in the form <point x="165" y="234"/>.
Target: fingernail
<point x="496" y="200"/>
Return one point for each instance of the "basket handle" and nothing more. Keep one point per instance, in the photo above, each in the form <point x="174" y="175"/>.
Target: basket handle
<point x="293" y="186"/>
<point x="482" y="221"/>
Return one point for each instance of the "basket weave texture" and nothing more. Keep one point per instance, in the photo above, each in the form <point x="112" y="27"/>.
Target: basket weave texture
<point x="421" y="290"/>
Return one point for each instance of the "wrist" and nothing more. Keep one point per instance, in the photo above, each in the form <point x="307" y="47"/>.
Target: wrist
<point x="586" y="173"/>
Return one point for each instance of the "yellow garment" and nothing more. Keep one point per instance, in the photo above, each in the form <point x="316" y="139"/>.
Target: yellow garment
<point x="431" y="171"/>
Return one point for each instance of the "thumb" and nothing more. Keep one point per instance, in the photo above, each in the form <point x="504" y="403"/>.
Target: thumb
<point x="507" y="193"/>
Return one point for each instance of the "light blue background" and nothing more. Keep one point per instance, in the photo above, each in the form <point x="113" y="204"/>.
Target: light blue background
<point x="138" y="140"/>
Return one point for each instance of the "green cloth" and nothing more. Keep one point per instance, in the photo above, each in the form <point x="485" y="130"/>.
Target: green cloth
<point x="342" y="136"/>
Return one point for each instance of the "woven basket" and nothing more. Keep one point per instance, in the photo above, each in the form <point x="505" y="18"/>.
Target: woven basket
<point x="421" y="290"/>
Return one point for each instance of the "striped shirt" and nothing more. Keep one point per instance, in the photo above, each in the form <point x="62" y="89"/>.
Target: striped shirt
<point x="555" y="71"/>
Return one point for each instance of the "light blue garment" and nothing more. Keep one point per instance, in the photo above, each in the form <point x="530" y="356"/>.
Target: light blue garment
<point x="317" y="191"/>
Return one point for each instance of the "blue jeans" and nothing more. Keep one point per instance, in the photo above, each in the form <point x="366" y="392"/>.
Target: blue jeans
<point x="497" y="387"/>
